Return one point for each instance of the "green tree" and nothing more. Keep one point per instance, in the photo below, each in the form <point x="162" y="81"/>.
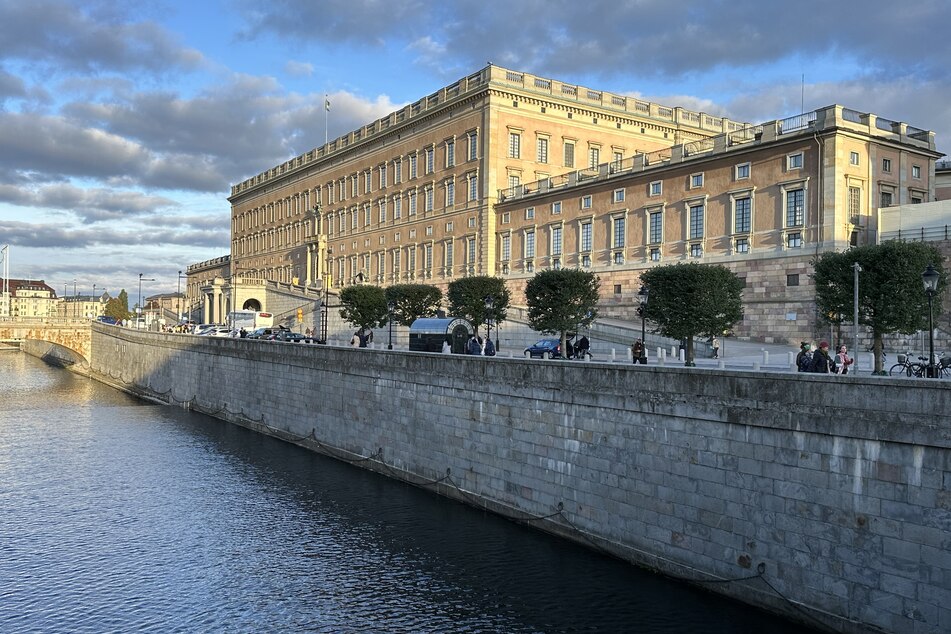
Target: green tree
<point x="363" y="305"/>
<point x="413" y="301"/>
<point x="562" y="301"/>
<point x="118" y="307"/>
<point x="891" y="295"/>
<point x="467" y="299"/>
<point x="687" y="300"/>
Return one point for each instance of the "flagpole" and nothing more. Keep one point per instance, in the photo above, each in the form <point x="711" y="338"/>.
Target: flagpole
<point x="326" y="115"/>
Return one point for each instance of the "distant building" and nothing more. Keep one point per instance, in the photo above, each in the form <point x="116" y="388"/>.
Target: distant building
<point x="28" y="299"/>
<point x="83" y="306"/>
<point x="942" y="180"/>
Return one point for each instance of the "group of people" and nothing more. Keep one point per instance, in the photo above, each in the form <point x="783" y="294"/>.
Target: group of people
<point x="362" y="338"/>
<point x="818" y="359"/>
<point x="475" y="346"/>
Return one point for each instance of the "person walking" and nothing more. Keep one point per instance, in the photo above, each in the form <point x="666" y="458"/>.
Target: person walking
<point x="446" y="348"/>
<point x="715" y="344"/>
<point x="843" y="360"/>
<point x="473" y="347"/>
<point x="355" y="339"/>
<point x="804" y="358"/>
<point x="637" y="352"/>
<point x="583" y="348"/>
<point x="822" y="363"/>
<point x="489" y="349"/>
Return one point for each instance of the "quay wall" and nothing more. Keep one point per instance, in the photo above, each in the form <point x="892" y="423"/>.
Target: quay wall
<point x="826" y="499"/>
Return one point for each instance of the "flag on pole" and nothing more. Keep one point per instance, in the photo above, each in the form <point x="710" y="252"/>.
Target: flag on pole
<point x="327" y="104"/>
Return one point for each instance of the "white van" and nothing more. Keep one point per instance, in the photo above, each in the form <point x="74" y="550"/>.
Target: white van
<point x="250" y="320"/>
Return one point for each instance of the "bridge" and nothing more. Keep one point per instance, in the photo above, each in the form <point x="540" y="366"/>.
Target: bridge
<point x="72" y="334"/>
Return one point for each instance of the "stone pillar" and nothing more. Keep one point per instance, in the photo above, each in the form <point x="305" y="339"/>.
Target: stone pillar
<point x="310" y="265"/>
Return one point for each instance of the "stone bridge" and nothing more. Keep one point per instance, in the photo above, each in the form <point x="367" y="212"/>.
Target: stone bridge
<point x="72" y="334"/>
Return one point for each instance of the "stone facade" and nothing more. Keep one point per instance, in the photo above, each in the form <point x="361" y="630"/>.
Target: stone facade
<point x="836" y="492"/>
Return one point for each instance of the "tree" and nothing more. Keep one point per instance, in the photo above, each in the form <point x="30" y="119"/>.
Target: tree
<point x="891" y="295"/>
<point x="363" y="305"/>
<point x="117" y="307"/>
<point x="562" y="301"/>
<point x="686" y="300"/>
<point x="413" y="301"/>
<point x="467" y="299"/>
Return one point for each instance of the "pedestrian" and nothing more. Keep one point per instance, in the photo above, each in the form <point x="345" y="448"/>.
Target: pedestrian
<point x="446" y="348"/>
<point x="582" y="349"/>
<point x="804" y="358"/>
<point x="365" y="337"/>
<point x="569" y="348"/>
<point x="355" y="339"/>
<point x="489" y="349"/>
<point x="715" y="344"/>
<point x="822" y="363"/>
<point x="843" y="360"/>
<point x="637" y="352"/>
<point x="473" y="347"/>
<point x="243" y="333"/>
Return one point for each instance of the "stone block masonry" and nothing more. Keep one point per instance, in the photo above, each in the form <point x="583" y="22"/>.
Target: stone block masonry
<point x="830" y="497"/>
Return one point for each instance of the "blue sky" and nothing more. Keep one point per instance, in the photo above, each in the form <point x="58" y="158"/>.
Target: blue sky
<point x="123" y="124"/>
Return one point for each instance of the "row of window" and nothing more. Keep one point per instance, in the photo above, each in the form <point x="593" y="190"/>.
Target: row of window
<point x="542" y="143"/>
<point x="393" y="262"/>
<point x="854" y="159"/>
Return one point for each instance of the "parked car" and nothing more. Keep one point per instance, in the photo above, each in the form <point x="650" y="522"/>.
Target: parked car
<point x="216" y="331"/>
<point x="288" y="336"/>
<point x="544" y="349"/>
<point x="264" y="333"/>
<point x="112" y="321"/>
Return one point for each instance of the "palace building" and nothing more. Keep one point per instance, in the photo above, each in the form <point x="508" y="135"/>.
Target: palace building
<point x="505" y="173"/>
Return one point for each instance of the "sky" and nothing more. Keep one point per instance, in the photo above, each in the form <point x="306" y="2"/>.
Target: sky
<point x="123" y="124"/>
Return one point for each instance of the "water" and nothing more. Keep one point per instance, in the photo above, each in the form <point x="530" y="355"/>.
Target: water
<point x="119" y="516"/>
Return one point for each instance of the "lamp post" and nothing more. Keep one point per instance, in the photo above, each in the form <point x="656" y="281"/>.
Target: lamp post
<point x="95" y="303"/>
<point x="489" y="306"/>
<point x="179" y="297"/>
<point x="930" y="279"/>
<point x="75" y="298"/>
<point x="856" y="269"/>
<point x="642" y="296"/>
<point x="141" y="279"/>
<point x="326" y="311"/>
<point x="390" y="307"/>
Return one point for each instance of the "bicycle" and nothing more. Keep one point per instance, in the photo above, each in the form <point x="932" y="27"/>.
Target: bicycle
<point x="908" y="368"/>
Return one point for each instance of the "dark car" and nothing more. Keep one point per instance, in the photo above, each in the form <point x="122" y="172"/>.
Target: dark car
<point x="288" y="336"/>
<point x="544" y="349"/>
<point x="263" y="333"/>
<point x="112" y="321"/>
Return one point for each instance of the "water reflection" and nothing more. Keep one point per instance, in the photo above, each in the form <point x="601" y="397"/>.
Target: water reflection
<point x="120" y="516"/>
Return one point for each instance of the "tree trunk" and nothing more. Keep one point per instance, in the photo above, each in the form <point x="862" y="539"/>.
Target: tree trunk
<point x="688" y="355"/>
<point x="877" y="346"/>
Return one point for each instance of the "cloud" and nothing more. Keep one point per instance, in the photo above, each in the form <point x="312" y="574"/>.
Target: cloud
<point x="298" y="69"/>
<point x="89" y="205"/>
<point x="64" y="237"/>
<point x="61" y="36"/>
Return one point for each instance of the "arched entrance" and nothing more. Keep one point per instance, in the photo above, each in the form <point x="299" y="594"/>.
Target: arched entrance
<point x="252" y="304"/>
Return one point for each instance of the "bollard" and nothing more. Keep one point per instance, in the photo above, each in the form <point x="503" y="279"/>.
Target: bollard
<point x="722" y="364"/>
<point x="765" y="357"/>
<point x="683" y="355"/>
<point x="613" y="356"/>
<point x="660" y="353"/>
<point x="756" y="366"/>
<point x="673" y="351"/>
<point x="791" y="359"/>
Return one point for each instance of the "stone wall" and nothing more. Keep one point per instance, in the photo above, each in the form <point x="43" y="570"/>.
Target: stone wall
<point x="833" y="494"/>
<point x="73" y="334"/>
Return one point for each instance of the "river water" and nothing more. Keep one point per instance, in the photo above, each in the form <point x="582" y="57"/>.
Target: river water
<point x="121" y="516"/>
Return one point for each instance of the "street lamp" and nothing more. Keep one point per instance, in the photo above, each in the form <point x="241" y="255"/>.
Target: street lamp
<point x="326" y="311"/>
<point x="489" y="305"/>
<point x="642" y="296"/>
<point x="856" y="269"/>
<point x="390" y="307"/>
<point x="95" y="308"/>
<point x="141" y="279"/>
<point x="180" y="296"/>
<point x="75" y="297"/>
<point x="930" y="279"/>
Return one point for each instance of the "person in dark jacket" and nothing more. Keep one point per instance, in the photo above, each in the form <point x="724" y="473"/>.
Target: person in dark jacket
<point x="804" y="358"/>
<point x="473" y="347"/>
<point x="581" y="350"/>
<point x="822" y="363"/>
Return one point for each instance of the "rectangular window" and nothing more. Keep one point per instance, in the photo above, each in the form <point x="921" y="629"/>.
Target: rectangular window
<point x="696" y="250"/>
<point x="696" y="180"/>
<point x="742" y="171"/>
<point x="556" y="240"/>
<point x="594" y="156"/>
<point x="618" y="233"/>
<point x="794" y="240"/>
<point x="616" y="161"/>
<point x="556" y="207"/>
<point x="529" y="213"/>
<point x="742" y="215"/>
<point x="794" y="161"/>
<point x="471" y="251"/>
<point x="366" y="215"/>
<point x="429" y="257"/>
<point x="506" y="218"/>
<point x="569" y="154"/>
<point x="396" y="261"/>
<point x="853" y="158"/>
<point x="448" y="251"/>
<point x="449" y="227"/>
<point x="514" y="181"/>
<point x="542" y="150"/>
<point x="473" y="146"/>
<point x="655" y="255"/>
<point x="886" y="199"/>
<point x="397" y="207"/>
<point x="916" y="171"/>
<point x="586" y="260"/>
<point x="382" y="176"/>
<point x="515" y="145"/>
<point x="430" y="155"/>
<point x="412" y="203"/>
<point x="795" y="200"/>
<point x="506" y="247"/>
<point x="353" y="186"/>
<point x="412" y="166"/>
<point x="382" y="210"/>
<point x="586" y="236"/>
<point x="450" y="153"/>
<point x="792" y="279"/>
<point x="696" y="222"/>
<point x="619" y="257"/>
<point x="398" y="171"/>
<point x="742" y="245"/>
<point x="855" y="203"/>
<point x="619" y="195"/>
<point x="586" y="202"/>
<point x="367" y="182"/>
<point x="472" y="220"/>
<point x="886" y="165"/>
<point x="450" y="193"/>
<point x="656" y="188"/>
<point x="429" y="230"/>
<point x="656" y="227"/>
<point x="473" y="188"/>
<point x="412" y="258"/>
<point x="429" y="198"/>
<point x="529" y="244"/>
<point x="916" y="200"/>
